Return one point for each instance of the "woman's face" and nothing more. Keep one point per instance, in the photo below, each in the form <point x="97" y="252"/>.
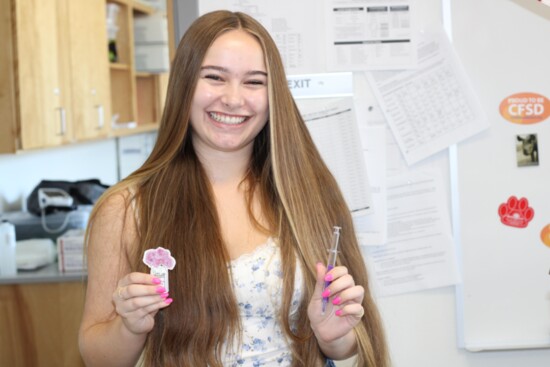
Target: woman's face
<point x="230" y="105"/>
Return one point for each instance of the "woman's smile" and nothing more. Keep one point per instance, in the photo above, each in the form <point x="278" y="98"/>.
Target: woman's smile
<point x="227" y="119"/>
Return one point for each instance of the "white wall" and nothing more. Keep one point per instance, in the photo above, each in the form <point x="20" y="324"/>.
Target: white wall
<point x="20" y="173"/>
<point x="422" y="331"/>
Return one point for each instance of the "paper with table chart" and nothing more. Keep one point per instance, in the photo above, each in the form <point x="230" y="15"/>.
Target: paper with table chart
<point x="334" y="35"/>
<point x="299" y="41"/>
<point x="370" y="35"/>
<point x="334" y="130"/>
<point x="432" y="107"/>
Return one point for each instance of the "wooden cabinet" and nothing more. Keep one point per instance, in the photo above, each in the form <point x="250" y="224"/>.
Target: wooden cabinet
<point x="56" y="83"/>
<point x="137" y="98"/>
<point x="56" y="87"/>
<point x="39" y="324"/>
<point x="89" y="66"/>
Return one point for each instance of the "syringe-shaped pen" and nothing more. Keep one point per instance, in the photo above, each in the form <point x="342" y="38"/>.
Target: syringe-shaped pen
<point x="331" y="263"/>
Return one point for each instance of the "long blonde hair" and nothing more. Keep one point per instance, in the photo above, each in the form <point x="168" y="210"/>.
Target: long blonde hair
<point x="301" y="202"/>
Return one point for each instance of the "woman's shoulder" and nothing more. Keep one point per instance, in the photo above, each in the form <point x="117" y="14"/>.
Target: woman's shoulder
<point x="117" y="198"/>
<point x="115" y="207"/>
<point x="113" y="220"/>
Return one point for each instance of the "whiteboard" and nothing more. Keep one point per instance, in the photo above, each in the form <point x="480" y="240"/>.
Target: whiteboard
<point x="504" y="302"/>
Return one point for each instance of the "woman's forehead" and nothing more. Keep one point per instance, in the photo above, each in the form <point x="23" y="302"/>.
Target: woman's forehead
<point x="235" y="49"/>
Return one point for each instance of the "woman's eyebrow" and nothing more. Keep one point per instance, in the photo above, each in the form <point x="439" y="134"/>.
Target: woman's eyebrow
<point x="226" y="70"/>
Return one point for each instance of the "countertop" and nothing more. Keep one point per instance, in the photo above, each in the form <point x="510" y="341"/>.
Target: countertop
<point x="47" y="274"/>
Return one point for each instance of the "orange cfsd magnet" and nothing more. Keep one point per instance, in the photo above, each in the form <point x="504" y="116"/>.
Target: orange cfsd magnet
<point x="525" y="108"/>
<point x="545" y="235"/>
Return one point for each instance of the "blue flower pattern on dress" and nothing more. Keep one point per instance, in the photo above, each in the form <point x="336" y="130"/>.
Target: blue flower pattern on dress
<point x="257" y="283"/>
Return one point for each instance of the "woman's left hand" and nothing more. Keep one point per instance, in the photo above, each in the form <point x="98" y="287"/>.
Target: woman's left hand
<point x="343" y="310"/>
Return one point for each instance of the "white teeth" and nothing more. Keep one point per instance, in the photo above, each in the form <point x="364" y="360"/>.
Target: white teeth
<point x="230" y="120"/>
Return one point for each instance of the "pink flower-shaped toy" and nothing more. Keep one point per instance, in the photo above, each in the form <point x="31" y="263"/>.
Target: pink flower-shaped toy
<point x="159" y="257"/>
<point x="160" y="261"/>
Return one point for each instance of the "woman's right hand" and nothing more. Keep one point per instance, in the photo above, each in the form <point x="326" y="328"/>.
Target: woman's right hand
<point x="137" y="299"/>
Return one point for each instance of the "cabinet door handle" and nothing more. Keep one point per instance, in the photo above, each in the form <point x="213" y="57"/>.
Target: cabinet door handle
<point x="62" y="121"/>
<point x="100" y="117"/>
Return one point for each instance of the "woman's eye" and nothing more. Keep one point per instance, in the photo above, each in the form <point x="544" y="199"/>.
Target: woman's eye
<point x="256" y="82"/>
<point x="213" y="77"/>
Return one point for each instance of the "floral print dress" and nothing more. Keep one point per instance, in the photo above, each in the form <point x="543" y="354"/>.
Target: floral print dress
<point x="257" y="283"/>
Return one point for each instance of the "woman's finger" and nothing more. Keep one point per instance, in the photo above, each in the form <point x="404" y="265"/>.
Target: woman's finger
<point x="354" y="294"/>
<point x="138" y="278"/>
<point x="138" y="290"/>
<point x="140" y="304"/>
<point x="336" y="272"/>
<point x="340" y="284"/>
<point x="355" y="310"/>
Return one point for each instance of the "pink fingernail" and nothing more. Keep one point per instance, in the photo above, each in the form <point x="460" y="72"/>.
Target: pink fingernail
<point x="329" y="277"/>
<point x="168" y="300"/>
<point x="336" y="301"/>
<point x="338" y="312"/>
<point x="164" y="295"/>
<point x="161" y="290"/>
<point x="156" y="281"/>
<point x="326" y="293"/>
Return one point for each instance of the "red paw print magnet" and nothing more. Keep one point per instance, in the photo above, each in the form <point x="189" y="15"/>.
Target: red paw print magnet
<point x="516" y="212"/>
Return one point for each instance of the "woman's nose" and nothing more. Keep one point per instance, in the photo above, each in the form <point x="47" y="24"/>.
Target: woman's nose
<point x="232" y="96"/>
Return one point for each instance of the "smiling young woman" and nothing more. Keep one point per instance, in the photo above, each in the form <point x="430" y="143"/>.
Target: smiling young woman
<point x="237" y="191"/>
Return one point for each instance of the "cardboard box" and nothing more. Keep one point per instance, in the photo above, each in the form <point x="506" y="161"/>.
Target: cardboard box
<point x="152" y="58"/>
<point x="70" y="251"/>
<point x="150" y="29"/>
<point x="72" y="263"/>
